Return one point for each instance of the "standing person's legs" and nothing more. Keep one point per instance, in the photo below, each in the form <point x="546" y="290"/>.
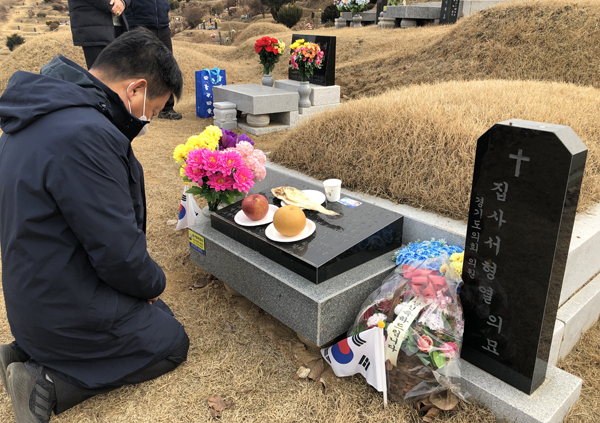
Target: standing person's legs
<point x="91" y="53"/>
<point x="164" y="35"/>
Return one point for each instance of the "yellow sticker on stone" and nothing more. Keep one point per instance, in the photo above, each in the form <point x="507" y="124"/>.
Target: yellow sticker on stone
<point x="398" y="329"/>
<point x="197" y="242"/>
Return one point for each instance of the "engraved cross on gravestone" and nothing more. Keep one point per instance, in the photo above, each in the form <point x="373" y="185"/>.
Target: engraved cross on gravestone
<point x="526" y="185"/>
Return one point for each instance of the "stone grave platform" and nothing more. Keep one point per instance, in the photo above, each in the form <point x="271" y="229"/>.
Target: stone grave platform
<point x="322" y="313"/>
<point x="321" y="97"/>
<point x="261" y="103"/>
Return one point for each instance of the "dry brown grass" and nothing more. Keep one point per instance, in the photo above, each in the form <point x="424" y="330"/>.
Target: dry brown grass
<point x="533" y="40"/>
<point x="416" y="145"/>
<point x="260" y="29"/>
<point x="237" y="350"/>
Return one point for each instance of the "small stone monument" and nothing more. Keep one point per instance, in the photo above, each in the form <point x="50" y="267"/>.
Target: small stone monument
<point x="340" y="23"/>
<point x="450" y="11"/>
<point x="524" y="197"/>
<point x="225" y="115"/>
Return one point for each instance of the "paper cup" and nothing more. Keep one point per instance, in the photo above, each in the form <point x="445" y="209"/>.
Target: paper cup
<point x="333" y="188"/>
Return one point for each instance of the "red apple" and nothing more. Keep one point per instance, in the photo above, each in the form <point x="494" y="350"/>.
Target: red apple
<point x="255" y="206"/>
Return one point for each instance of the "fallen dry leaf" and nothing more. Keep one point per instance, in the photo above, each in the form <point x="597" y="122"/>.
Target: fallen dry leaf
<point x="431" y="415"/>
<point x="303" y="372"/>
<point x="201" y="283"/>
<point x="172" y="222"/>
<point x="218" y="403"/>
<point x="245" y="390"/>
<point x="444" y="400"/>
<point x="214" y="413"/>
<point x="316" y="368"/>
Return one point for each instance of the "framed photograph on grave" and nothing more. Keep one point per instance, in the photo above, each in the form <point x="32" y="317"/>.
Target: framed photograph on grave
<point x="326" y="75"/>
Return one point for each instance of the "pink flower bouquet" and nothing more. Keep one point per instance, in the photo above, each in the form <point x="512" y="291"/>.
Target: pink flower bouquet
<point x="221" y="165"/>
<point x="420" y="308"/>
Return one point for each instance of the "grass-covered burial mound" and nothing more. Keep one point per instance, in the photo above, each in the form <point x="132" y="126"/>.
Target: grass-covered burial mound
<point x="417" y="145"/>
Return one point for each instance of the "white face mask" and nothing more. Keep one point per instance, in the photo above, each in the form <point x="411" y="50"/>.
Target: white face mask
<point x="144" y="130"/>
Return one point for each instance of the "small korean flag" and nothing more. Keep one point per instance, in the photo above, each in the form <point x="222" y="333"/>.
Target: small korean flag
<point x="362" y="353"/>
<point x="188" y="210"/>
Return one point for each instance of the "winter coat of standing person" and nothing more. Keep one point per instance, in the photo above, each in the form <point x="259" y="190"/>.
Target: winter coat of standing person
<point x="154" y="15"/>
<point x="95" y="24"/>
<point x="80" y="288"/>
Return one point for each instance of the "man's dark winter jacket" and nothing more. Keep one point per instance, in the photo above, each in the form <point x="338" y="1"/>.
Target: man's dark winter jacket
<point x="75" y="269"/>
<point x="148" y="13"/>
<point x="92" y="22"/>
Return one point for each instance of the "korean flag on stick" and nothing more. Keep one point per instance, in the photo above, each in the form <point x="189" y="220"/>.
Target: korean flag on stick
<point x="362" y="353"/>
<point x="188" y="210"/>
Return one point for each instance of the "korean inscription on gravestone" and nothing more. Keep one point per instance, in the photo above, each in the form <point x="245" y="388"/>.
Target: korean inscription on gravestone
<point x="326" y="75"/>
<point x="524" y="197"/>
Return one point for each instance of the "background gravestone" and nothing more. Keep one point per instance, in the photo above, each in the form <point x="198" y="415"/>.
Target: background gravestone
<point x="449" y="12"/>
<point x="526" y="185"/>
<point x="326" y="75"/>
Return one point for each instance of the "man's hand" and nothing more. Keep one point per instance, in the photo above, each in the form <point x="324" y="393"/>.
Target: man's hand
<point x="152" y="300"/>
<point x="117" y="7"/>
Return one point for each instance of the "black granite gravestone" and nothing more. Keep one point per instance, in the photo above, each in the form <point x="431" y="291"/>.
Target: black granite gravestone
<point x="524" y="197"/>
<point x="361" y="232"/>
<point x="449" y="13"/>
<point x="326" y="75"/>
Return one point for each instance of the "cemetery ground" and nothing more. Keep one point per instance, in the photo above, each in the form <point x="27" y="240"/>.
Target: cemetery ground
<point x="422" y="138"/>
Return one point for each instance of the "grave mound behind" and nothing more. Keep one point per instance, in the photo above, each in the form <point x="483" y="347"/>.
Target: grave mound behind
<point x="543" y="40"/>
<point x="416" y="145"/>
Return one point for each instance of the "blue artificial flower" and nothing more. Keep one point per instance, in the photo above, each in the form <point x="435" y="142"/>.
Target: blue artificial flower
<point x="419" y="251"/>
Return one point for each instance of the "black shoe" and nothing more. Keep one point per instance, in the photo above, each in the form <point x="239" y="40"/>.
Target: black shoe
<point x="10" y="353"/>
<point x="31" y="391"/>
<point x="170" y="114"/>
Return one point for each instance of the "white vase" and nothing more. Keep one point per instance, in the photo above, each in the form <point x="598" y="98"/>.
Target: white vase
<point x="304" y="94"/>
<point x="357" y="21"/>
<point x="268" y="80"/>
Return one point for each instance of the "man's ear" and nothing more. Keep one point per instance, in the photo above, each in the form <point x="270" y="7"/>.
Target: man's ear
<point x="137" y="87"/>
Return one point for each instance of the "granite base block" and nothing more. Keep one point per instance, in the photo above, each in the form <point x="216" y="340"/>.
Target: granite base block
<point x="286" y="118"/>
<point x="548" y="404"/>
<point x="557" y="338"/>
<point x="316" y="109"/>
<point x="579" y="314"/>
<point x="421" y="11"/>
<point x="225" y="125"/>
<point x="321" y="313"/>
<point x="261" y="130"/>
<point x="319" y="95"/>
<point x="257" y="99"/>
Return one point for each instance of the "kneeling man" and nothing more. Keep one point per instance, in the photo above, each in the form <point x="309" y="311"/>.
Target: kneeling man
<point x="80" y="288"/>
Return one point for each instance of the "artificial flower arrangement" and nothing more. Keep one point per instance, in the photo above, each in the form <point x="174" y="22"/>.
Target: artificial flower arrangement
<point x="422" y="317"/>
<point x="306" y="57"/>
<point x="222" y="165"/>
<point x="269" y="51"/>
<point x="354" y="6"/>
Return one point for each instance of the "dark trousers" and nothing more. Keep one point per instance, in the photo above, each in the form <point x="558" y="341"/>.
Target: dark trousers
<point x="91" y="53"/>
<point x="69" y="395"/>
<point x="164" y="35"/>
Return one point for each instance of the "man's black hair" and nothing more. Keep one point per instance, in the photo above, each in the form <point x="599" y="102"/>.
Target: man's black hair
<point x="139" y="54"/>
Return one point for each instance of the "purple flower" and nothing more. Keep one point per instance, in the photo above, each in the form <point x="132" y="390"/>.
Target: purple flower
<point x="244" y="137"/>
<point x="228" y="139"/>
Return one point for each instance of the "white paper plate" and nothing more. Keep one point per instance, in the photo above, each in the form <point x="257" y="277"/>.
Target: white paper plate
<point x="273" y="235"/>
<point x="241" y="218"/>
<point x="313" y="195"/>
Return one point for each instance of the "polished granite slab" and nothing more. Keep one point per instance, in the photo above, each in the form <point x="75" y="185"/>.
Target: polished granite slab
<point x="360" y="233"/>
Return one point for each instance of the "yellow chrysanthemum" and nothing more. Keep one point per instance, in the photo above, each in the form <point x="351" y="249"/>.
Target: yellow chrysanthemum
<point x="213" y="133"/>
<point x="202" y="141"/>
<point x="458" y="265"/>
<point x="458" y="257"/>
<point x="181" y="170"/>
<point x="180" y="153"/>
<point x="296" y="44"/>
<point x="280" y="46"/>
